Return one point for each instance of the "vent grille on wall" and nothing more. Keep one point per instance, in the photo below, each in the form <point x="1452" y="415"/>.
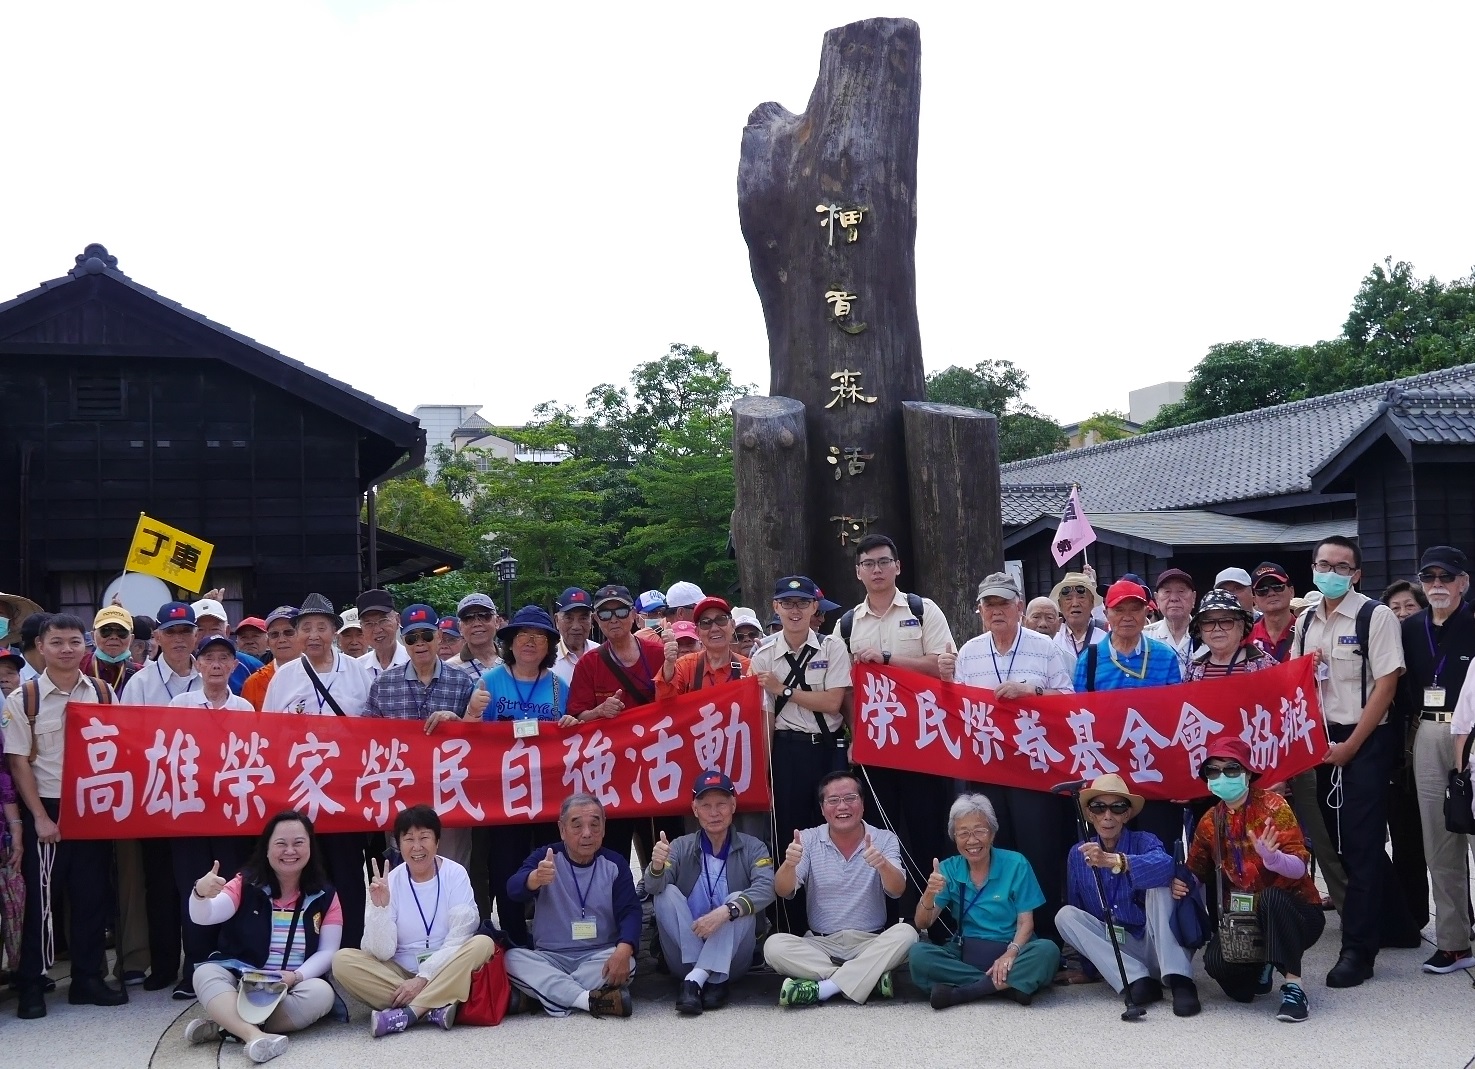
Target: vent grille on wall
<point x="97" y="397"/>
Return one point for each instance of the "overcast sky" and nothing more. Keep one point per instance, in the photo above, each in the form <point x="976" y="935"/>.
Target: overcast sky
<point x="445" y="202"/>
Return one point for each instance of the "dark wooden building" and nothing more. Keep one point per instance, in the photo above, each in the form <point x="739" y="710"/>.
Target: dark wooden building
<point x="119" y="401"/>
<point x="1389" y="464"/>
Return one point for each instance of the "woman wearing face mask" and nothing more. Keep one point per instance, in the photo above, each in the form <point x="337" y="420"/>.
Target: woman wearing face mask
<point x="1252" y="838"/>
<point x="1222" y="625"/>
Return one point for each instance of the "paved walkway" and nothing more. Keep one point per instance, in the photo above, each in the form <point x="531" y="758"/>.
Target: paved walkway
<point x="1404" y="1017"/>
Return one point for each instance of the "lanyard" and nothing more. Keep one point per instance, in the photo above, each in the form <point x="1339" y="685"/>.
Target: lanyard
<point x="582" y="892"/>
<point x="721" y="873"/>
<point x="969" y="903"/>
<point x="1435" y="650"/>
<point x="322" y="695"/>
<point x="1146" y="652"/>
<point x="189" y="685"/>
<point x="1090" y="628"/>
<point x="435" y="911"/>
<point x="525" y="701"/>
<point x="1009" y="671"/>
<point x="292" y="928"/>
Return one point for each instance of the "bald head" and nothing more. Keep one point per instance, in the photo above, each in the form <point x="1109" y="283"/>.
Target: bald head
<point x="1043" y="616"/>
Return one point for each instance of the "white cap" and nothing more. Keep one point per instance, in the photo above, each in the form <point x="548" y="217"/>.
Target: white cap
<point x="210" y="607"/>
<point x="743" y="616"/>
<point x="683" y="595"/>
<point x="1228" y="575"/>
<point x="350" y="619"/>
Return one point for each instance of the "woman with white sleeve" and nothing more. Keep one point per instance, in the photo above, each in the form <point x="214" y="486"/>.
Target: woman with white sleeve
<point x="420" y="942"/>
<point x="279" y="916"/>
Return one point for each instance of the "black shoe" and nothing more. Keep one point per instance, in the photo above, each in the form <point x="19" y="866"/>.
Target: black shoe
<point x="32" y="1005"/>
<point x="93" y="991"/>
<point x="133" y="977"/>
<point x="184" y="991"/>
<point x="1145" y="991"/>
<point x="1185" y="996"/>
<point x="1349" y="971"/>
<point x="1293" y="1006"/>
<point x="689" y="1001"/>
<point x="714" y="995"/>
<point x="157" y="982"/>
<point x="610" y="1002"/>
<point x="1266" y="983"/>
<point x="517" y="1002"/>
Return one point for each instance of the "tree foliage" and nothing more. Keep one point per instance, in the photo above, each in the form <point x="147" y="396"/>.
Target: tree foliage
<point x="1399" y="325"/>
<point x="1108" y="426"/>
<point x="996" y="386"/>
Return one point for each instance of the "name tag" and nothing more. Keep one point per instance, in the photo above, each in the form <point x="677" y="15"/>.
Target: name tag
<point x="1433" y="697"/>
<point x="1346" y="640"/>
<point x="586" y="930"/>
<point x="525" y="729"/>
<point x="1119" y="934"/>
<point x="910" y="622"/>
<point x="1241" y="902"/>
<point x="422" y="955"/>
<point x="818" y="666"/>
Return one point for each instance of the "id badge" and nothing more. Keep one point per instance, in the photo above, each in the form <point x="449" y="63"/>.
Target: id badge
<point x="1119" y="934"/>
<point x="1433" y="697"/>
<point x="422" y="955"/>
<point x="1241" y="902"/>
<point x="586" y="930"/>
<point x="525" y="729"/>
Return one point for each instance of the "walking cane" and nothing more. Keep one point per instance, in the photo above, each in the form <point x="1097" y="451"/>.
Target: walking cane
<point x="1133" y="1012"/>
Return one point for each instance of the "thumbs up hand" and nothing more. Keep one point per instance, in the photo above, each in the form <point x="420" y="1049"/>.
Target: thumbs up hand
<point x="794" y="852"/>
<point x="660" y="854"/>
<point x="873" y="857"/>
<point x="936" y="882"/>
<point x="545" y="873"/>
<point x="947" y="663"/>
<point x="210" y="884"/>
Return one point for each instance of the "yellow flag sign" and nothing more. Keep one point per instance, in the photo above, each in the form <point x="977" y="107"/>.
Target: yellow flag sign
<point x="169" y="553"/>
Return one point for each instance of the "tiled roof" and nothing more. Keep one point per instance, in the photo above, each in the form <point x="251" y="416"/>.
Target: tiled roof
<point x="1266" y="453"/>
<point x="1195" y="528"/>
<point x="1024" y="502"/>
<point x="1429" y="417"/>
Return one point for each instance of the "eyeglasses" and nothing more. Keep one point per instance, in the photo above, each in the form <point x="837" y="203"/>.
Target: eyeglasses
<point x="1119" y="808"/>
<point x="613" y="614"/>
<point x="475" y="617"/>
<point x="1232" y="768"/>
<point x="1341" y="567"/>
<point x="1442" y="578"/>
<point x="418" y="638"/>
<point x="1074" y="591"/>
<point x="971" y="836"/>
<point x="1269" y="588"/>
<point x="795" y="603"/>
<point x="834" y="801"/>
<point x="749" y="632"/>
<point x="1218" y="625"/>
<point x="113" y="631"/>
<point x="714" y="621"/>
<point x="873" y="564"/>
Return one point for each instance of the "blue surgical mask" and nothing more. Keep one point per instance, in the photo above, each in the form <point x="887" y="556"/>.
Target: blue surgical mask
<point x="4" y="626"/>
<point x="1331" y="584"/>
<point x="1230" y="788"/>
<point x="108" y="658"/>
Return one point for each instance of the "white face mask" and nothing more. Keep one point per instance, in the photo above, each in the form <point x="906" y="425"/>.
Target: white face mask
<point x="654" y="622"/>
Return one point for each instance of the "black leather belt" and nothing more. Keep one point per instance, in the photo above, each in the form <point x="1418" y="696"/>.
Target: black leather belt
<point x="787" y="735"/>
<point x="1437" y="716"/>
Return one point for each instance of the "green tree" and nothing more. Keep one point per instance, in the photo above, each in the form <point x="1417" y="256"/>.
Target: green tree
<point x="427" y="514"/>
<point x="443" y="592"/>
<point x="1109" y="426"/>
<point x="996" y="386"/>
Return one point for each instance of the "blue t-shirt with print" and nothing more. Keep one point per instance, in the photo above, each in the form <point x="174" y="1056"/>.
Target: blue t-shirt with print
<point x="513" y="699"/>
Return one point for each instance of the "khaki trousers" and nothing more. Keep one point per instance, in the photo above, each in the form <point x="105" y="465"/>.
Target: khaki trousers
<point x="861" y="956"/>
<point x="374" y="982"/>
<point x="133" y="919"/>
<point x="1444" y="852"/>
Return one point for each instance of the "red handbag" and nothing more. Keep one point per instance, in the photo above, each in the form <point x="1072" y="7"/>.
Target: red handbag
<point x="487" y="1002"/>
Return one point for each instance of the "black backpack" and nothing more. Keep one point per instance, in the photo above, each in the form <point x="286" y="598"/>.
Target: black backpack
<point x="847" y="622"/>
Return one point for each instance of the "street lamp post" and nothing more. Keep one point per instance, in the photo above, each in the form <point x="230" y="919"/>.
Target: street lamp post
<point x="506" y="566"/>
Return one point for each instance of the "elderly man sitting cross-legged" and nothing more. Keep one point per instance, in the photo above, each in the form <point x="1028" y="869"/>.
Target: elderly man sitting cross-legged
<point x="587" y="921"/>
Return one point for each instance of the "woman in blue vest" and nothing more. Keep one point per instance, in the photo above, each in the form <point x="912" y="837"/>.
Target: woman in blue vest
<point x="281" y="926"/>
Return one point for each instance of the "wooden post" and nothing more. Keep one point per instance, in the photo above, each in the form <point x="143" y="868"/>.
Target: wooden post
<point x="854" y="149"/>
<point x="952" y="456"/>
<point x="770" y="520"/>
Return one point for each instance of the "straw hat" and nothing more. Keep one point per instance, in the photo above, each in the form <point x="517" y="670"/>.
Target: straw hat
<point x="1113" y="784"/>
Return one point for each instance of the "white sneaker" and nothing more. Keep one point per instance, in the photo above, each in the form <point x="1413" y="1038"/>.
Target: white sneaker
<point x="201" y="1030"/>
<point x="266" y="1048"/>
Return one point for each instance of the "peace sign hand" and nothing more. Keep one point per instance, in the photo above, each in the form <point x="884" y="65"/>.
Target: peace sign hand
<point x="210" y="884"/>
<point x="379" y="885"/>
<point x="1268" y="841"/>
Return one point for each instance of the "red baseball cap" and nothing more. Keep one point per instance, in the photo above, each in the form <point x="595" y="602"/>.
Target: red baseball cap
<point x="1123" y="590"/>
<point x="251" y="621"/>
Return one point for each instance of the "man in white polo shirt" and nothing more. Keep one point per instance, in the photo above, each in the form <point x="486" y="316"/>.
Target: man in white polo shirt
<point x="380" y="622"/>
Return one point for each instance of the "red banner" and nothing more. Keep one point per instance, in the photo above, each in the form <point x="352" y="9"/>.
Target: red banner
<point x="141" y="771"/>
<point x="1155" y="738"/>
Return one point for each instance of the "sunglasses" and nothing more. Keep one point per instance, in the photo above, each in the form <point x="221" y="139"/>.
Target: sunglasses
<point x="475" y="617"/>
<point x="1218" y="625"/>
<point x="714" y="621"/>
<point x="1270" y="588"/>
<point x="1119" y="808"/>
<point x="1233" y="768"/>
<point x="416" y="638"/>
<point x="614" y="614"/>
<point x="1442" y="578"/>
<point x="113" y="631"/>
<point x="1068" y="591"/>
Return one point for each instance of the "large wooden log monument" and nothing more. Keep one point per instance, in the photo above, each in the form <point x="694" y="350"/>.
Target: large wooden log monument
<point x="846" y="445"/>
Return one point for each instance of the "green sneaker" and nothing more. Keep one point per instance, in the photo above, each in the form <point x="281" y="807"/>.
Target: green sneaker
<point x="883" y="986"/>
<point x="798" y="993"/>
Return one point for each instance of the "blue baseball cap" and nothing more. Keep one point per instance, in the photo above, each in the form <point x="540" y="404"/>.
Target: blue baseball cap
<point x="175" y="614"/>
<point x="796" y="586"/>
<point x="650" y="601"/>
<point x="417" y="617"/>
<point x="575" y="597"/>
<point x="449" y="625"/>
<point x="281" y="612"/>
<point x="215" y="640"/>
<point x="712" y="780"/>
<point x="826" y="606"/>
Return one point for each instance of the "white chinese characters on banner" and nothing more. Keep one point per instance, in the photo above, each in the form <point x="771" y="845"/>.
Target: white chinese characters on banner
<point x="174" y="787"/>
<point x="1089" y="758"/>
<point x="878" y="709"/>
<point x="310" y="789"/>
<point x="988" y="737"/>
<point x="522" y="780"/>
<point x="383" y="775"/>
<point x="105" y="789"/>
<point x="1139" y="739"/>
<point x="243" y="769"/>
<point x="595" y="773"/>
<point x="932" y="725"/>
<point x="1193" y="734"/>
<point x="728" y="747"/>
<point x="1030" y="741"/>
<point x="663" y="774"/>
<point x="448" y="780"/>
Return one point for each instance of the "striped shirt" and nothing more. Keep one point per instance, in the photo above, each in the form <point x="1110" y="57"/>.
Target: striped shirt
<point x="1151" y="664"/>
<point x="398" y="693"/>
<point x="844" y="894"/>
<point x="1032" y="658"/>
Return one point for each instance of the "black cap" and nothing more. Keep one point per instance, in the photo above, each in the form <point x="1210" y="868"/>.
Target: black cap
<point x="1268" y="569"/>
<point x="1446" y="557"/>
<point x="613" y="592"/>
<point x="375" y="600"/>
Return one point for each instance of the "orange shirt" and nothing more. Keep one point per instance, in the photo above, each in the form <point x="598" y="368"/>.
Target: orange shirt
<point x="254" y="689"/>
<point x="684" y="678"/>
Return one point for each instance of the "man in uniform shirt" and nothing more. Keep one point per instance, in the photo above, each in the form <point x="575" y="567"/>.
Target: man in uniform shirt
<point x="894" y="628"/>
<point x="575" y="622"/>
<point x="1175" y="595"/>
<point x="381" y="626"/>
<point x="34" y="751"/>
<point x="1018" y="664"/>
<point x="1357" y="688"/>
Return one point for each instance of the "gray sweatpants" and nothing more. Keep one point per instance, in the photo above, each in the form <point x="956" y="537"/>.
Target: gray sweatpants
<point x="555" y="979"/>
<point x="1156" y="953"/>
<point x="726" y="954"/>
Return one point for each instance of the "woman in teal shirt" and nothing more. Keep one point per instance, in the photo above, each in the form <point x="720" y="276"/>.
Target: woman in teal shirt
<point x="523" y="686"/>
<point x="992" y="895"/>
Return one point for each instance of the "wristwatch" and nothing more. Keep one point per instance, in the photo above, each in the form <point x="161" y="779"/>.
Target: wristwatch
<point x="886" y="657"/>
<point x="1039" y="691"/>
<point x="788" y="692"/>
<point x="733" y="911"/>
